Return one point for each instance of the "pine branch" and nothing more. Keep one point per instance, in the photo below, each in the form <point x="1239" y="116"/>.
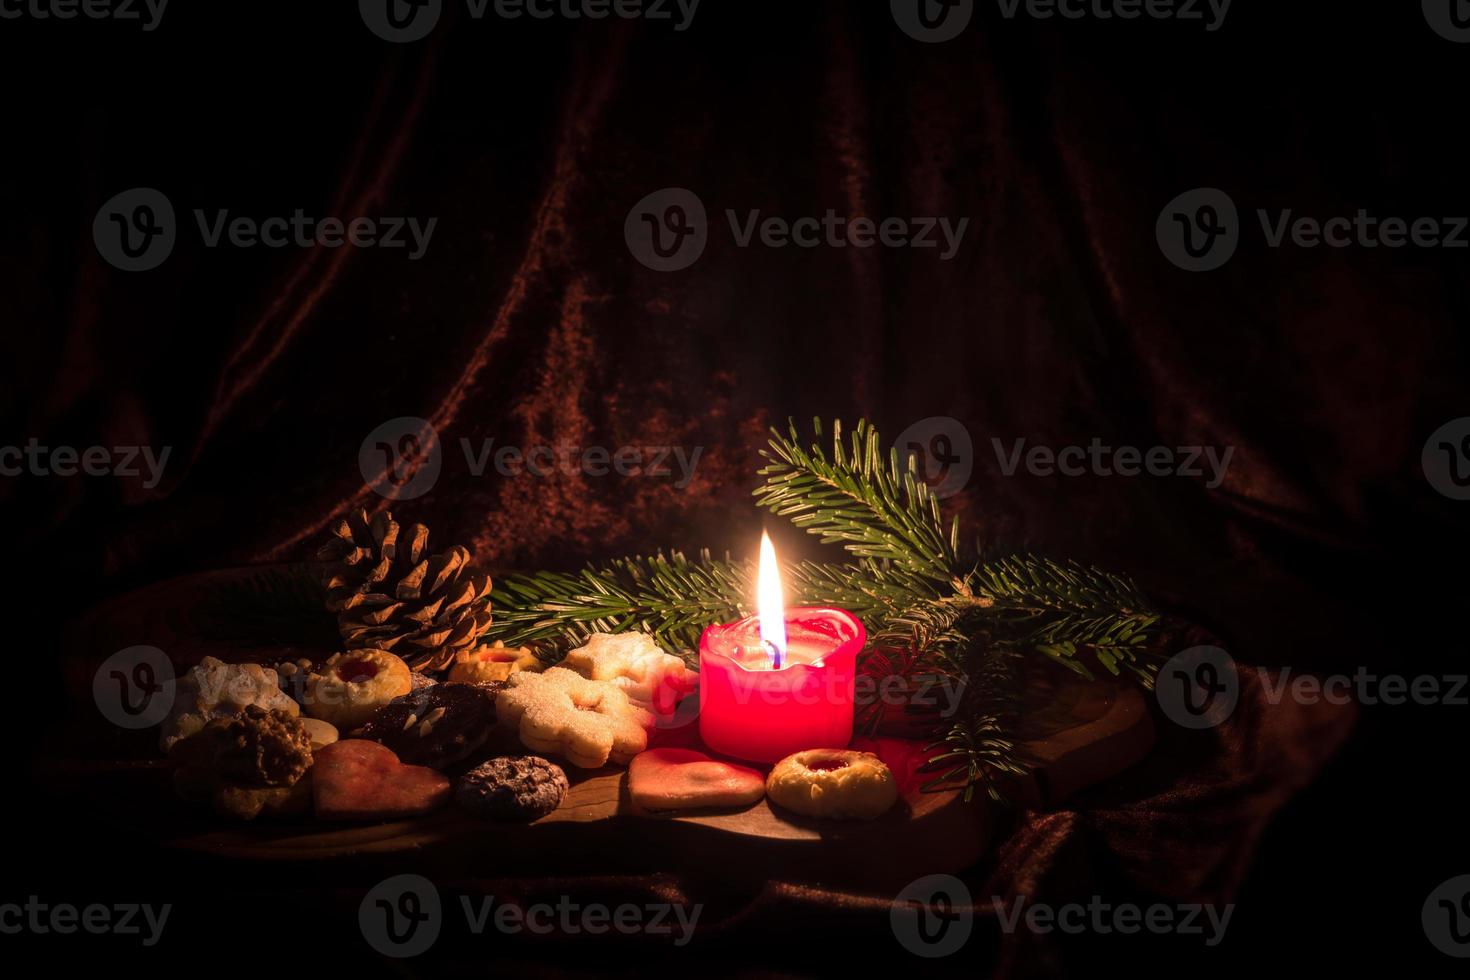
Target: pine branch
<point x="670" y="596"/>
<point x="872" y="505"/>
<point x="874" y="591"/>
<point x="979" y="749"/>
<point x="268" y="607"/>
<point x="939" y="626"/>
<point x="674" y="598"/>
<point x="1058" y="608"/>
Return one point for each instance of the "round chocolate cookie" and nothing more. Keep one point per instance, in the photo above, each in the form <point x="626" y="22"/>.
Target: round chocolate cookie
<point x="512" y="788"/>
<point x="434" y="726"/>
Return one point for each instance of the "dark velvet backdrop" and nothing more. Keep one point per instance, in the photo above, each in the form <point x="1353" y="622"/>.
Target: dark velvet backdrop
<point x="528" y="321"/>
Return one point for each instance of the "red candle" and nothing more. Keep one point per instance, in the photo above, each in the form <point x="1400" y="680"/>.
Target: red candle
<point x="780" y="682"/>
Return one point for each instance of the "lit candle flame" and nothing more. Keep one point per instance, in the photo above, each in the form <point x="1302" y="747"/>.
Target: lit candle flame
<point x="769" y="603"/>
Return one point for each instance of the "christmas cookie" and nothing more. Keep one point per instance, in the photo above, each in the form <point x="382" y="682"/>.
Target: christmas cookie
<point x="437" y="726"/>
<point x="293" y="676"/>
<point x="199" y="784"/>
<point x="682" y="779"/>
<point x="247" y="764"/>
<point x="215" y="689"/>
<point x="512" y="788"/>
<point x="320" y="732"/>
<point x="561" y="712"/>
<point x="353" y="685"/>
<point x="248" y="802"/>
<point x="634" y="663"/>
<point x="835" y="783"/>
<point x="355" y="779"/>
<point x="254" y="748"/>
<point x="485" y="664"/>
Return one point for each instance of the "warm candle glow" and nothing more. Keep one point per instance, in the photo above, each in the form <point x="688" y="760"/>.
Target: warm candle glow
<point x="769" y="603"/>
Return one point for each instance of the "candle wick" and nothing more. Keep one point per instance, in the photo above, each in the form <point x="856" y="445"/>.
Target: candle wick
<point x="775" y="654"/>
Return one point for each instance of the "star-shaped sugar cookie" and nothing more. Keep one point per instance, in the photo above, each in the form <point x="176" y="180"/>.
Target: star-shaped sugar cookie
<point x="635" y="663"/>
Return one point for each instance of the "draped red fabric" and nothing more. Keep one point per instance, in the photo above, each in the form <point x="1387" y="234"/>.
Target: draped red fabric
<point x="528" y="321"/>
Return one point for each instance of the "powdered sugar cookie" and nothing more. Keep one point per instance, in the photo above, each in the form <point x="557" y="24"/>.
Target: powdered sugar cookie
<point x="215" y="689"/>
<point x="635" y="663"/>
<point x="587" y="722"/>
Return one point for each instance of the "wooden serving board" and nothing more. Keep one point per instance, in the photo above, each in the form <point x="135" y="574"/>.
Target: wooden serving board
<point x="598" y="830"/>
<point x="1078" y="733"/>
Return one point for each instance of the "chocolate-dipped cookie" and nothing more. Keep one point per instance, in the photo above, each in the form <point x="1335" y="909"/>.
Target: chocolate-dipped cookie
<point x="436" y="726"/>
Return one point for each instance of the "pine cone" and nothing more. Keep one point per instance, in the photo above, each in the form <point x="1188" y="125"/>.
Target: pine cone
<point x="390" y="594"/>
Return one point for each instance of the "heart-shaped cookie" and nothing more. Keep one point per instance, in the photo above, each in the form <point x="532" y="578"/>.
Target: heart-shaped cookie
<point x="683" y="779"/>
<point x="355" y="779"/>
